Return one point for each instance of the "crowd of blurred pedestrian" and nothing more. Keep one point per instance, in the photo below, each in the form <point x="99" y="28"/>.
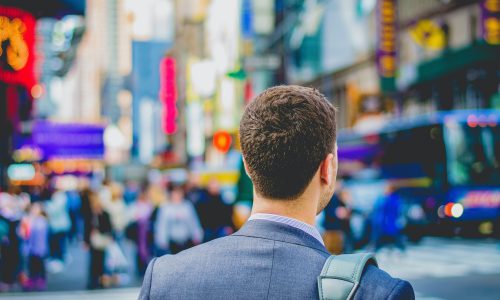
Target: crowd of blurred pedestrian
<point x="38" y="223"/>
<point x="159" y="217"/>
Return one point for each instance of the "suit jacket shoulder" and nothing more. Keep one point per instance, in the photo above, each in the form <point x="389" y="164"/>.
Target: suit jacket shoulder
<point x="264" y="260"/>
<point x="377" y="284"/>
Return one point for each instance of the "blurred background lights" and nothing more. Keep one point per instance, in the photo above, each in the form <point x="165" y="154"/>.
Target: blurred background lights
<point x="222" y="141"/>
<point x="36" y="91"/>
<point x="447" y="209"/>
<point x="472" y="121"/>
<point x="492" y="120"/>
<point x="21" y="172"/>
<point x="482" y="121"/>
<point x="440" y="212"/>
<point x="457" y="210"/>
<point x="486" y="228"/>
<point x="114" y="138"/>
<point x="203" y="76"/>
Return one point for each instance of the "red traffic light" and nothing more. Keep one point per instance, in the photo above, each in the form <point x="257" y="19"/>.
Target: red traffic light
<point x="222" y="141"/>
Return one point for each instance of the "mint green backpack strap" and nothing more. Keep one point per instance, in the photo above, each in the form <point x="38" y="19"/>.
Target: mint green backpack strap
<point x="341" y="275"/>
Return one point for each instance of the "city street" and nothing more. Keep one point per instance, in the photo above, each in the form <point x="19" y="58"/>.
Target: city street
<point x="438" y="268"/>
<point x="139" y="128"/>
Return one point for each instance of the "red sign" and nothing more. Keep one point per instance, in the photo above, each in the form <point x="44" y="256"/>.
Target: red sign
<point x="168" y="94"/>
<point x="249" y="94"/>
<point x="222" y="141"/>
<point x="17" y="39"/>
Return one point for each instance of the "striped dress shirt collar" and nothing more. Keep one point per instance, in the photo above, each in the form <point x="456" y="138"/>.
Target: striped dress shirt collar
<point x="311" y="230"/>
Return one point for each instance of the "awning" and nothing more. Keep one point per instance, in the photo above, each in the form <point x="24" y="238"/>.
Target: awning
<point x="456" y="60"/>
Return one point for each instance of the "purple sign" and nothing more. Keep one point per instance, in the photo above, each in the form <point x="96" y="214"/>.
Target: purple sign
<point x="490" y="21"/>
<point x="359" y="152"/>
<point x="64" y="140"/>
<point x="386" y="38"/>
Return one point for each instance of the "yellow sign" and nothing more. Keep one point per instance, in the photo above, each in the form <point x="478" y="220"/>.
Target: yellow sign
<point x="387" y="38"/>
<point x="223" y="177"/>
<point x="17" y="51"/>
<point x="428" y="35"/>
<point x="492" y="30"/>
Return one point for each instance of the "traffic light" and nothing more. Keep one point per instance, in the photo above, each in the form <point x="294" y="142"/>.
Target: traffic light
<point x="222" y="141"/>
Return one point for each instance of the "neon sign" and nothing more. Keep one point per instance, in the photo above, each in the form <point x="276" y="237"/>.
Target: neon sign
<point x="168" y="94"/>
<point x="17" y="35"/>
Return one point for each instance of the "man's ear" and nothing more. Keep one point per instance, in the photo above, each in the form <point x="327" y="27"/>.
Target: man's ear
<point x="328" y="169"/>
<point x="246" y="167"/>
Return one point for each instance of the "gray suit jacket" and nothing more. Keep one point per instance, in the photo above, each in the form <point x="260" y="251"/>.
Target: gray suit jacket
<point x="263" y="260"/>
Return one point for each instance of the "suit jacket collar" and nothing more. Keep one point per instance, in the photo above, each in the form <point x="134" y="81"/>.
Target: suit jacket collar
<point x="279" y="232"/>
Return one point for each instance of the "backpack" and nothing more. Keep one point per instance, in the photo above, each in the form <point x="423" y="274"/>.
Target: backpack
<point x="341" y="275"/>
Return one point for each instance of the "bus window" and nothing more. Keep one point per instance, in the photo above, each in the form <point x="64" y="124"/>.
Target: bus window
<point x="473" y="154"/>
<point x="414" y="153"/>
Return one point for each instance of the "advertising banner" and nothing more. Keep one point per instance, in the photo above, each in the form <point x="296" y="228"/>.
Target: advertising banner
<point x="17" y="38"/>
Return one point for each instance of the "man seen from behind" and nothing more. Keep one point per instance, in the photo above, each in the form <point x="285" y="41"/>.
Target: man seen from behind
<point x="288" y="141"/>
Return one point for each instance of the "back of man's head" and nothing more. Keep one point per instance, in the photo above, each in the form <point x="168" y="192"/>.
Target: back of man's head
<point x="285" y="133"/>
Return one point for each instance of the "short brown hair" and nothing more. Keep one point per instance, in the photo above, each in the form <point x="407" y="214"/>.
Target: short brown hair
<point x="285" y="133"/>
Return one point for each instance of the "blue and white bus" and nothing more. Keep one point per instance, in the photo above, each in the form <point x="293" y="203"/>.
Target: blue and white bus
<point x="445" y="165"/>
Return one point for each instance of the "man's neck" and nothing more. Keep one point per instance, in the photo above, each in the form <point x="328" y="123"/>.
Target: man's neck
<point x="299" y="209"/>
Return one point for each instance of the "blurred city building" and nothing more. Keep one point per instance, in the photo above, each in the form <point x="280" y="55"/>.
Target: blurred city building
<point x="166" y="81"/>
<point x="440" y="55"/>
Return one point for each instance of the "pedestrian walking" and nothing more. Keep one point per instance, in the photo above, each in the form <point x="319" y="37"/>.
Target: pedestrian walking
<point x="387" y="221"/>
<point x="74" y="207"/>
<point x="12" y="208"/>
<point x="215" y="215"/>
<point x="99" y="238"/>
<point x="177" y="224"/>
<point x="142" y="211"/>
<point x="60" y="224"/>
<point x="36" y="234"/>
